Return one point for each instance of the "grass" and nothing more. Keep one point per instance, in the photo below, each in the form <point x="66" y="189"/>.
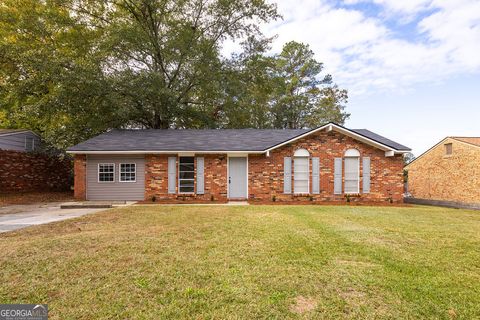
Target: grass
<point x="225" y="262"/>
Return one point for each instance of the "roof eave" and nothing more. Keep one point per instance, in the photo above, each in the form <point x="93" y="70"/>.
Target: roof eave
<point x="330" y="126"/>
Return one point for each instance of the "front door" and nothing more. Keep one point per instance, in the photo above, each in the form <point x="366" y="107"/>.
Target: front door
<point x="237" y="178"/>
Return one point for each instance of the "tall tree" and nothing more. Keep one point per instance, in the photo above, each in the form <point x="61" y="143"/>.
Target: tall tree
<point x="71" y="69"/>
<point x="95" y="65"/>
<point x="303" y="97"/>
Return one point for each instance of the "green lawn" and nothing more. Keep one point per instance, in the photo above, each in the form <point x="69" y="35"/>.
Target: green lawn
<point x="226" y="262"/>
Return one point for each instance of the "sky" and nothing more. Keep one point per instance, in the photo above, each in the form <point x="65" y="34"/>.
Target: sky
<point x="412" y="67"/>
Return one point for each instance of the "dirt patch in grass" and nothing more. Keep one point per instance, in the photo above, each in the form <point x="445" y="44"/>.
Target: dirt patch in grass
<point x="302" y="305"/>
<point x="34" y="197"/>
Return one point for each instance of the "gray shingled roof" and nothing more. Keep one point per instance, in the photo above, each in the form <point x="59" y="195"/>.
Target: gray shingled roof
<point x="373" y="136"/>
<point x="9" y="131"/>
<point x="201" y="140"/>
<point x="187" y="140"/>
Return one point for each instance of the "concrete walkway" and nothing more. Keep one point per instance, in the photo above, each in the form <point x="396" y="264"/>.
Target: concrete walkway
<point x="15" y="217"/>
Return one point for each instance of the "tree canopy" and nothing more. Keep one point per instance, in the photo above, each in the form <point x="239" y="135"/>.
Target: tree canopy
<point x="70" y="69"/>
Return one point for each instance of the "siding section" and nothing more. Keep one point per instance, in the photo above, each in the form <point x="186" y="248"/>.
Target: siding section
<point x="16" y="141"/>
<point x="115" y="190"/>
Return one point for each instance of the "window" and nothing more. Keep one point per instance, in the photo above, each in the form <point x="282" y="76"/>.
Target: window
<point x="127" y="172"/>
<point x="448" y="149"/>
<point x="106" y="172"/>
<point x="186" y="174"/>
<point x="301" y="171"/>
<point x="352" y="171"/>
<point x="29" y="143"/>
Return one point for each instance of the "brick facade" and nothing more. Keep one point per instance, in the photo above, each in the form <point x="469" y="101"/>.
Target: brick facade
<point x="25" y="172"/>
<point x="80" y="169"/>
<point x="455" y="177"/>
<point x="265" y="174"/>
<point x="156" y="178"/>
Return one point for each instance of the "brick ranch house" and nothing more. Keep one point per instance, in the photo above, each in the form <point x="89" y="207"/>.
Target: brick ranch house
<point x="322" y="164"/>
<point x="448" y="173"/>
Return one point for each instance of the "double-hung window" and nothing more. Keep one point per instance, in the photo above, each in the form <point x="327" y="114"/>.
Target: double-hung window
<point x="301" y="171"/>
<point x="106" y="172"/>
<point x="186" y="175"/>
<point x="352" y="171"/>
<point x="127" y="172"/>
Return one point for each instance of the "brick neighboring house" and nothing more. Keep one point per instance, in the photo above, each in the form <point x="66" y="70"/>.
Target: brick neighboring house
<point x="321" y="164"/>
<point x="447" y="172"/>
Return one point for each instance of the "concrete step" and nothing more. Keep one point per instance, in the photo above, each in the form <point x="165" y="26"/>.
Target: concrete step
<point x="92" y="204"/>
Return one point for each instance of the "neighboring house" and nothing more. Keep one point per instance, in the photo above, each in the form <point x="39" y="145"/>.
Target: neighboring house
<point x="19" y="140"/>
<point x="322" y="164"/>
<point x="448" y="172"/>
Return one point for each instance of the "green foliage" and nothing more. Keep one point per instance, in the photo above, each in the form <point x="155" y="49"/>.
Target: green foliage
<point x="72" y="69"/>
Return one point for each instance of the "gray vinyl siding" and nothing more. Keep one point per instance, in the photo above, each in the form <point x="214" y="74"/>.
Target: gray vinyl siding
<point x="16" y="141"/>
<point x="115" y="190"/>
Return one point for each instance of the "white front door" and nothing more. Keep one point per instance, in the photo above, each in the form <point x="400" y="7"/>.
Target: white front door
<point x="237" y="178"/>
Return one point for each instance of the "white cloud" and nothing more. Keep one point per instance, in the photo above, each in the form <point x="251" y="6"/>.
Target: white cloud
<point x="365" y="54"/>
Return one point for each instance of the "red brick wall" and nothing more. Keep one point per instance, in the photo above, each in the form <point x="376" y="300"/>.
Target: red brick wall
<point x="266" y="173"/>
<point x="156" y="178"/>
<point x="80" y="170"/>
<point x="23" y="172"/>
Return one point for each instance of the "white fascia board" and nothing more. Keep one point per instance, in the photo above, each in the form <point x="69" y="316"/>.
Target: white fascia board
<point x="346" y="132"/>
<point x="164" y="152"/>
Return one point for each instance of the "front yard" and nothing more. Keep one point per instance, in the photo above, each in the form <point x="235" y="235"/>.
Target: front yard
<point x="226" y="262"/>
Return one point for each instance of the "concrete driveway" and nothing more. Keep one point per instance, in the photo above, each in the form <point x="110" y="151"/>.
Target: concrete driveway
<point x="15" y="217"/>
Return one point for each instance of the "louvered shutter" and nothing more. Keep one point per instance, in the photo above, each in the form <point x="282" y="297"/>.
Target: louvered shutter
<point x="366" y="175"/>
<point x="337" y="180"/>
<point x="200" y="175"/>
<point x="316" y="175"/>
<point x="172" y="174"/>
<point x="287" y="175"/>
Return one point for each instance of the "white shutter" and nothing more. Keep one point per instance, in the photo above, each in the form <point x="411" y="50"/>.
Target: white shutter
<point x="287" y="175"/>
<point x="200" y="175"/>
<point x="316" y="175"/>
<point x="337" y="179"/>
<point x="172" y="174"/>
<point x="366" y="175"/>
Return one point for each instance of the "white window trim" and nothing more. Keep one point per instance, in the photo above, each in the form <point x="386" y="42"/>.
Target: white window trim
<point x="120" y="172"/>
<point x="98" y="172"/>
<point x="308" y="175"/>
<point x="178" y="172"/>
<point x="344" y="178"/>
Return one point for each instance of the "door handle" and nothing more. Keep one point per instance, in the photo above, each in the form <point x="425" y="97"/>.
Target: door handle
<point x="229" y="180"/>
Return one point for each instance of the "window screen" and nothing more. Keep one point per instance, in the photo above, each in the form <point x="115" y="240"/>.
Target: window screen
<point x="127" y="172"/>
<point x="186" y="174"/>
<point x="106" y="172"/>
<point x="300" y="174"/>
<point x="352" y="174"/>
